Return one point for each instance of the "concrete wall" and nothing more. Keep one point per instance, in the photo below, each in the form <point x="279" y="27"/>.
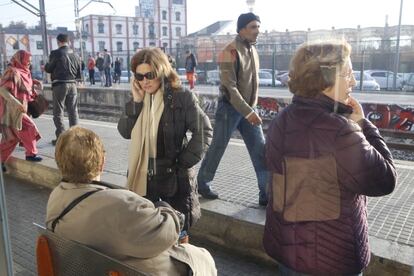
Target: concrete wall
<point x="384" y="116"/>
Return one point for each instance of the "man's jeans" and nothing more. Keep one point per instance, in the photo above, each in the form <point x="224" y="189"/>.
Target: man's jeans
<point x="64" y="94"/>
<point x="108" y="77"/>
<point x="226" y="122"/>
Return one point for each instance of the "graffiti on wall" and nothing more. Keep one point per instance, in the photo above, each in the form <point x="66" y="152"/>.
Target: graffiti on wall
<point x="390" y="116"/>
<point x="382" y="115"/>
<point x="267" y="108"/>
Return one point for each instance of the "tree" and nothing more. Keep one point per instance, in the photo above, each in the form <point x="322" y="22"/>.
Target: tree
<point x="17" y="25"/>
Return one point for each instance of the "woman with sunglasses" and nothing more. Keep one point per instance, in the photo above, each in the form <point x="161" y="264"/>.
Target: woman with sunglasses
<point x="161" y="159"/>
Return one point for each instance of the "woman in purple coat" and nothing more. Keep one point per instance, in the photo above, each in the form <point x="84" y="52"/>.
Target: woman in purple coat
<point x="325" y="158"/>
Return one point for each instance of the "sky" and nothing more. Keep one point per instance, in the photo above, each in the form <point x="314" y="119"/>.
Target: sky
<point x="275" y="15"/>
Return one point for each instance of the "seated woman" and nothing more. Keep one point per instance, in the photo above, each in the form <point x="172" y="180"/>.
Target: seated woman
<point x="117" y="222"/>
<point x="325" y="158"/>
<point x="161" y="158"/>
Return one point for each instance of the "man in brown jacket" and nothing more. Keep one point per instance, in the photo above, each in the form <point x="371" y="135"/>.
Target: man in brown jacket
<point x="117" y="222"/>
<point x="239" y="66"/>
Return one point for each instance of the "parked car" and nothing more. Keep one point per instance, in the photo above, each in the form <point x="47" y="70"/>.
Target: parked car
<point x="182" y="74"/>
<point x="37" y="75"/>
<point x="409" y="85"/>
<point x="368" y="83"/>
<point x="283" y="78"/>
<point x="201" y="77"/>
<point x="124" y="76"/>
<point x="213" y="77"/>
<point x="265" y="79"/>
<point x="385" y="78"/>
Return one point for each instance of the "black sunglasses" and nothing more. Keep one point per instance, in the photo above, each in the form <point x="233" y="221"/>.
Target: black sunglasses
<point x="148" y="75"/>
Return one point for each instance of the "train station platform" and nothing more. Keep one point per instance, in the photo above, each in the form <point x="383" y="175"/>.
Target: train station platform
<point x="235" y="220"/>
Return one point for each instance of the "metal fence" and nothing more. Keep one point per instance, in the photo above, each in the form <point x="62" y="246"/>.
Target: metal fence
<point x="373" y="54"/>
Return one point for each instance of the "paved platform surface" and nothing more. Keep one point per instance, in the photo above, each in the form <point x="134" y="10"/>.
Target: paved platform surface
<point x="391" y="218"/>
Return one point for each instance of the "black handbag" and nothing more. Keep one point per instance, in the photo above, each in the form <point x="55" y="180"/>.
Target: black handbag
<point x="38" y="106"/>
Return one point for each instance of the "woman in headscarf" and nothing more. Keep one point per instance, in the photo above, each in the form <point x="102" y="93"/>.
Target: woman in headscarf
<point x="16" y="91"/>
<point x="161" y="159"/>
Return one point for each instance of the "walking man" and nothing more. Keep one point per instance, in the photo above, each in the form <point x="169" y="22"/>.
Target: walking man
<point x="190" y="68"/>
<point x="107" y="68"/>
<point x="65" y="69"/>
<point x="239" y="66"/>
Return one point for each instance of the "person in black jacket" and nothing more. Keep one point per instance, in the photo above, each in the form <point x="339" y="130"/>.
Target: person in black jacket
<point x="161" y="160"/>
<point x="65" y="69"/>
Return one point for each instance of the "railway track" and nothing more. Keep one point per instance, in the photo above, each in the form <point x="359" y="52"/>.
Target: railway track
<point x="400" y="140"/>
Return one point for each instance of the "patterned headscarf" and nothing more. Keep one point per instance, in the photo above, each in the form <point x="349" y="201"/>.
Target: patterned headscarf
<point x="20" y="63"/>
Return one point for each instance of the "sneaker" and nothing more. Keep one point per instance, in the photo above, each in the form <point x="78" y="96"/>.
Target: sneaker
<point x="208" y="194"/>
<point x="263" y="202"/>
<point x="54" y="142"/>
<point x="34" y="158"/>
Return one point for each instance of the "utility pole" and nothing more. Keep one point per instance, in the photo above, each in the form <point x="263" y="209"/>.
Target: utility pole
<point x="42" y="14"/>
<point x="397" y="54"/>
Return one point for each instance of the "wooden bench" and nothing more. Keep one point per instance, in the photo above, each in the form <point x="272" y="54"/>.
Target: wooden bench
<point x="58" y="256"/>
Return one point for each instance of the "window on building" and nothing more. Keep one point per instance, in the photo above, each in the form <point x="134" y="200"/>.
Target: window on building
<point x="135" y="29"/>
<point x="164" y="15"/>
<point x="177" y="16"/>
<point x="135" y="45"/>
<point x="164" y="31"/>
<point x="178" y="31"/>
<point x="152" y="44"/>
<point x="165" y="45"/>
<point x="178" y="2"/>
<point x="151" y="30"/>
<point x="39" y="45"/>
<point x="177" y="46"/>
<point x="119" y="46"/>
<point x="101" y="45"/>
<point x="86" y="27"/>
<point x="118" y="28"/>
<point x="101" y="28"/>
<point x="83" y="45"/>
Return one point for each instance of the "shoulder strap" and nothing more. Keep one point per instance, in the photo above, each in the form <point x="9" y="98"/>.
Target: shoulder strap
<point x="71" y="205"/>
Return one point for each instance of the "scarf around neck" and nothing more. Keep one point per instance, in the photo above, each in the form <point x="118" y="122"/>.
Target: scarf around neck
<point x="143" y="144"/>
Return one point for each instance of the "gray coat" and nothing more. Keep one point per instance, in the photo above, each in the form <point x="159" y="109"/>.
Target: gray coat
<point x="127" y="227"/>
<point x="181" y="113"/>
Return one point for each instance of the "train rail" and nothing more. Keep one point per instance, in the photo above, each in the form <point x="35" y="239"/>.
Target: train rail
<point x="395" y="139"/>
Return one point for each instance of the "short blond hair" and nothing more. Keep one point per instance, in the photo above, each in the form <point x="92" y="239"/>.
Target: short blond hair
<point x="79" y="155"/>
<point x="315" y="65"/>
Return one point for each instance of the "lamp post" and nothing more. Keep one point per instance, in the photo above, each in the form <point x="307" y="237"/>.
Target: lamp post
<point x="78" y="25"/>
<point x="397" y="54"/>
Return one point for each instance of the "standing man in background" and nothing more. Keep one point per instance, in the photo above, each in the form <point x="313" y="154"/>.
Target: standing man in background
<point x="99" y="64"/>
<point x="107" y="64"/>
<point x="239" y="66"/>
<point x="190" y="68"/>
<point x="65" y="69"/>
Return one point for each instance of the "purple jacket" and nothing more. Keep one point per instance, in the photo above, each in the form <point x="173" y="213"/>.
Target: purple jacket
<point x="323" y="165"/>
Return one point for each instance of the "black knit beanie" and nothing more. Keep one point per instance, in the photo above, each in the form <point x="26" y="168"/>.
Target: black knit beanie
<point x="246" y="18"/>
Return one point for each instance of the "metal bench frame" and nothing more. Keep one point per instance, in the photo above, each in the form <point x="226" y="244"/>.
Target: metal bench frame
<point x="71" y="258"/>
